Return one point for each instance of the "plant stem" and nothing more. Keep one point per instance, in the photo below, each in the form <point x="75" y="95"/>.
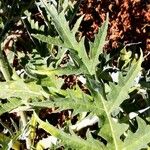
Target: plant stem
<point x="23" y="119"/>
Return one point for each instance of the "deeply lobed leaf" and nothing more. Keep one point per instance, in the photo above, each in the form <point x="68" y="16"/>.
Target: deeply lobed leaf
<point x="21" y="90"/>
<point x="71" y="141"/>
<point x="120" y="91"/>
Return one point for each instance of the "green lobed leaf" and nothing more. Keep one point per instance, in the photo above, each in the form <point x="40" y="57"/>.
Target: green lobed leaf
<point x="120" y="91"/>
<point x="70" y="140"/>
<point x="78" y="104"/>
<point x="96" y="48"/>
<point x="139" y="139"/>
<point x="66" y="35"/>
<point x="61" y="25"/>
<point x="48" y="39"/>
<point x="34" y="24"/>
<point x="74" y="99"/>
<point x="21" y="90"/>
<point x="110" y="130"/>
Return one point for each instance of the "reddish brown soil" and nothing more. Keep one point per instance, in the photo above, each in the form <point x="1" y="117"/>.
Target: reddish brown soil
<point x="129" y="21"/>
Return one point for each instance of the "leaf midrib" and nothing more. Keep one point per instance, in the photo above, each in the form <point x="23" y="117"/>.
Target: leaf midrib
<point x="110" y="123"/>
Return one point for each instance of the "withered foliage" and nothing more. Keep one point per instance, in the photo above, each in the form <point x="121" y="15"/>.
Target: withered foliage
<point x="129" y="21"/>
